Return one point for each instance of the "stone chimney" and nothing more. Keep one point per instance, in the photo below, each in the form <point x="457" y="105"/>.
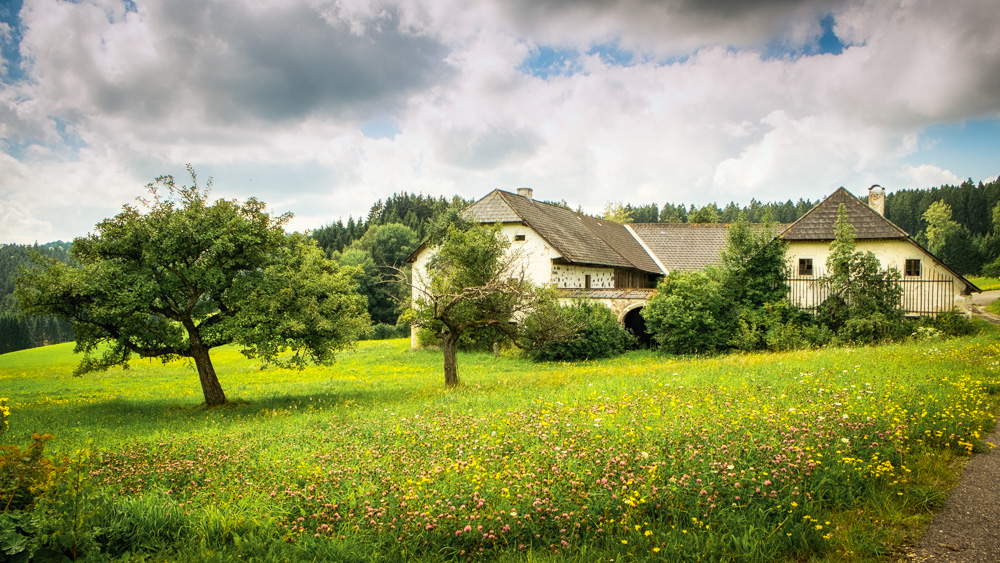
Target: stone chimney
<point x="876" y="199"/>
<point x="526" y="192"/>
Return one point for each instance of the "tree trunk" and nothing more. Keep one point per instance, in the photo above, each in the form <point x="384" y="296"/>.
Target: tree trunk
<point x="449" y="345"/>
<point x="210" y="386"/>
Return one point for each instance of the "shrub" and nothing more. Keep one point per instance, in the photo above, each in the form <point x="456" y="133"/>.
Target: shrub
<point x="689" y="314"/>
<point x="599" y="335"/>
<point x="382" y="331"/>
<point x="776" y="326"/>
<point x="869" y="329"/>
<point x="4" y="415"/>
<point x="25" y="474"/>
<point x="953" y="323"/>
<point x="67" y="516"/>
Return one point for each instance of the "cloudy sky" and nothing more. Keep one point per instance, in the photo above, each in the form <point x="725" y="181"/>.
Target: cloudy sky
<point x="321" y="107"/>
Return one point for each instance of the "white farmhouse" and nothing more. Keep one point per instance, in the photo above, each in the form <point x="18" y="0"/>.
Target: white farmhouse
<point x="619" y="265"/>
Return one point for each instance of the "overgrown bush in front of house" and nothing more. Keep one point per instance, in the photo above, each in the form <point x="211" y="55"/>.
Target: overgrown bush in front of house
<point x="863" y="307"/>
<point x="689" y="314"/>
<point x="598" y="335"/>
<point x="949" y="323"/>
<point x="778" y="326"/>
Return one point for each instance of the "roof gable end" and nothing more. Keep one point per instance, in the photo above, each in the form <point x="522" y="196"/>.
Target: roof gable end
<point x="819" y="223"/>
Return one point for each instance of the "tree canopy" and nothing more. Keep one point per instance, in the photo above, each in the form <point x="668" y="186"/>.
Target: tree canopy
<point x="175" y="275"/>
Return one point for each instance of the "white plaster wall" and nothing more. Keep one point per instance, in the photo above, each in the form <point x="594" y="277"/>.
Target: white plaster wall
<point x="535" y="256"/>
<point x="573" y="277"/>
<point x="891" y="254"/>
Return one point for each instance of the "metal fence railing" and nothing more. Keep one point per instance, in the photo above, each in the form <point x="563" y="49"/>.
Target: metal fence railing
<point x="930" y="294"/>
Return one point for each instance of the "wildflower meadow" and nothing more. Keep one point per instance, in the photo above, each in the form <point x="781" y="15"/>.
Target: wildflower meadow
<point x="835" y="454"/>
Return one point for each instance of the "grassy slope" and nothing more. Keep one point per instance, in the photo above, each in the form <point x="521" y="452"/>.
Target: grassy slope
<point x="383" y="414"/>
<point x="985" y="284"/>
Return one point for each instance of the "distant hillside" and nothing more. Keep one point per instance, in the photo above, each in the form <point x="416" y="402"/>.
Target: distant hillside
<point x="17" y="333"/>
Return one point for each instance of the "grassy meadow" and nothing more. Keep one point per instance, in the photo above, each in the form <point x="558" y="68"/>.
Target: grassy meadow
<point x="985" y="284"/>
<point x="838" y="454"/>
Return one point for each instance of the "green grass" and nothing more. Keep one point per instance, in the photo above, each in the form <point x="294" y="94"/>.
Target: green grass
<point x="985" y="284"/>
<point x="637" y="458"/>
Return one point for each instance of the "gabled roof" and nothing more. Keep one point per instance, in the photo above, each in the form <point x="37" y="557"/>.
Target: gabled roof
<point x="579" y="239"/>
<point x="819" y="222"/>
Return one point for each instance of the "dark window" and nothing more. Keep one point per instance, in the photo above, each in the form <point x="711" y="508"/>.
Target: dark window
<point x="913" y="267"/>
<point x="518" y="237"/>
<point x="586" y="281"/>
<point x="805" y="266"/>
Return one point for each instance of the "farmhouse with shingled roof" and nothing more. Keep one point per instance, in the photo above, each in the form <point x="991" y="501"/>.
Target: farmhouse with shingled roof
<point x="929" y="286"/>
<point x="619" y="265"/>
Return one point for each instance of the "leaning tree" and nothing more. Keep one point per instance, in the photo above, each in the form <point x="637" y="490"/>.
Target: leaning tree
<point x="176" y="275"/>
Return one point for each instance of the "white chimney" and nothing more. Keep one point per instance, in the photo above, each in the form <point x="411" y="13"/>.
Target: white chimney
<point x="876" y="199"/>
<point x="525" y="192"/>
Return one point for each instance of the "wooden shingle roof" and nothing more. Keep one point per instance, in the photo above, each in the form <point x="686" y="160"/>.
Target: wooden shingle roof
<point x="818" y="223"/>
<point x="684" y="246"/>
<point x="579" y="239"/>
<point x="687" y="246"/>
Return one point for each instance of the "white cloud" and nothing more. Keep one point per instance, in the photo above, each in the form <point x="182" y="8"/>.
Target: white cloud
<point x="270" y="98"/>
<point x="927" y="176"/>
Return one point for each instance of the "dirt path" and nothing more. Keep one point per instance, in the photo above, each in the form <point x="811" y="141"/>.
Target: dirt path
<point x="979" y="303"/>
<point x="967" y="530"/>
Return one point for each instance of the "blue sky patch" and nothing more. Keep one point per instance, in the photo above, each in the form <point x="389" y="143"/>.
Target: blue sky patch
<point x="549" y="61"/>
<point x="10" y="46"/>
<point x="611" y="54"/>
<point x="969" y="149"/>
<point x="826" y="44"/>
<point x="545" y="61"/>
<point x="380" y="128"/>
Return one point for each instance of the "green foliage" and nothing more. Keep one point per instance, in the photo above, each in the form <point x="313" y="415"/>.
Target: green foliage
<point x="18" y="541"/>
<point x="616" y="212"/>
<point x="960" y="252"/>
<point x="178" y="275"/>
<point x="599" y="335"/>
<point x="649" y="213"/>
<point x="778" y="327"/>
<point x="673" y="213"/>
<point x="950" y="323"/>
<point x="863" y="304"/>
<point x="708" y="214"/>
<point x="753" y="265"/>
<point x="67" y="516"/>
<point x="689" y="314"/>
<point x="939" y="225"/>
<point x="4" y="415"/>
<point x="382" y="253"/>
<point x="992" y="270"/>
<point x="17" y="331"/>
<point x="417" y="212"/>
<point x="25" y="474"/>
<point x="300" y="303"/>
<point x="382" y="331"/>
<point x="972" y="207"/>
